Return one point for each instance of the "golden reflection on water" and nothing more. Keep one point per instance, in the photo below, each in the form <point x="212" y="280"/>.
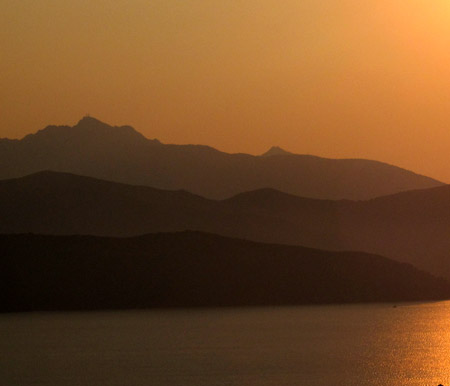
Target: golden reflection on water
<point x="374" y="345"/>
<point x="419" y="344"/>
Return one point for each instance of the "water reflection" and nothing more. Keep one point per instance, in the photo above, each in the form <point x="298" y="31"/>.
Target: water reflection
<point x="322" y="345"/>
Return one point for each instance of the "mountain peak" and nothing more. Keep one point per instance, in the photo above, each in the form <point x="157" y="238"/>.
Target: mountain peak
<point x="94" y="125"/>
<point x="275" y="150"/>
<point x="88" y="130"/>
<point x="87" y="120"/>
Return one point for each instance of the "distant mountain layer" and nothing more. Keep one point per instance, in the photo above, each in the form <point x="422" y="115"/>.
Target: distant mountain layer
<point x="121" y="154"/>
<point x="193" y="269"/>
<point x="410" y="226"/>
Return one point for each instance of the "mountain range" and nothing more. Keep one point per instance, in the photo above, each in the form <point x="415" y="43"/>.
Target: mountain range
<point x="410" y="226"/>
<point x="121" y="154"/>
<point x="193" y="269"/>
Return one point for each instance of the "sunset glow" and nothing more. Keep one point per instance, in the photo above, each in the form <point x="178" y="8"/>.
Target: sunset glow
<point x="225" y="192"/>
<point x="332" y="78"/>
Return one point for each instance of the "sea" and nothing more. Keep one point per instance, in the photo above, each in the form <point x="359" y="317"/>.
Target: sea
<point x="361" y="344"/>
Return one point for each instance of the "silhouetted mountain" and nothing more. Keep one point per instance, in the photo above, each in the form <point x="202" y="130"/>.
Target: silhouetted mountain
<point x="193" y="269"/>
<point x="410" y="226"/>
<point x="121" y="154"/>
<point x="61" y="203"/>
<point x="275" y="150"/>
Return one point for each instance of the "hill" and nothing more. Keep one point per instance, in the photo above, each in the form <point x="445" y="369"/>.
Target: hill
<point x="121" y="154"/>
<point x="410" y="226"/>
<point x="193" y="269"/>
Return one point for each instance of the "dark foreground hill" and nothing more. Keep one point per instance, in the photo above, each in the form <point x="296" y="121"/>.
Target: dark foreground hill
<point x="121" y="154"/>
<point x="411" y="226"/>
<point x="193" y="269"/>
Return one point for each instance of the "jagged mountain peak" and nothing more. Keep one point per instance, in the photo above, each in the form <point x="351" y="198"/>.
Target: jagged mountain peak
<point x="88" y="129"/>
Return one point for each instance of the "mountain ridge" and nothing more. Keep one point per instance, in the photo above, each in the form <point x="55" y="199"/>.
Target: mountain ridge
<point x="122" y="154"/>
<point x="413" y="226"/>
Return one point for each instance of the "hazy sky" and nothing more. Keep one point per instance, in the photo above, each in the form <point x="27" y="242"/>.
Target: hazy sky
<point x="337" y="78"/>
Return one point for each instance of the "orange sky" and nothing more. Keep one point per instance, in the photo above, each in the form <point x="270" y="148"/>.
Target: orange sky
<point x="337" y="78"/>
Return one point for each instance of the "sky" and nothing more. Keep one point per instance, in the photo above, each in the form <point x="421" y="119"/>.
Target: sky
<point x="334" y="78"/>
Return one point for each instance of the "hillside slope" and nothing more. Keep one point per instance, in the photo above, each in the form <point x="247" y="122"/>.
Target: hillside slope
<point x="192" y="269"/>
<point x="410" y="226"/>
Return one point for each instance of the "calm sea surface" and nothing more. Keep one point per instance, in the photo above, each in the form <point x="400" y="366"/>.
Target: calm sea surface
<point x="318" y="345"/>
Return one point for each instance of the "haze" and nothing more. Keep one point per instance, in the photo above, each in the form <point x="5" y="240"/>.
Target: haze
<point x="336" y="78"/>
